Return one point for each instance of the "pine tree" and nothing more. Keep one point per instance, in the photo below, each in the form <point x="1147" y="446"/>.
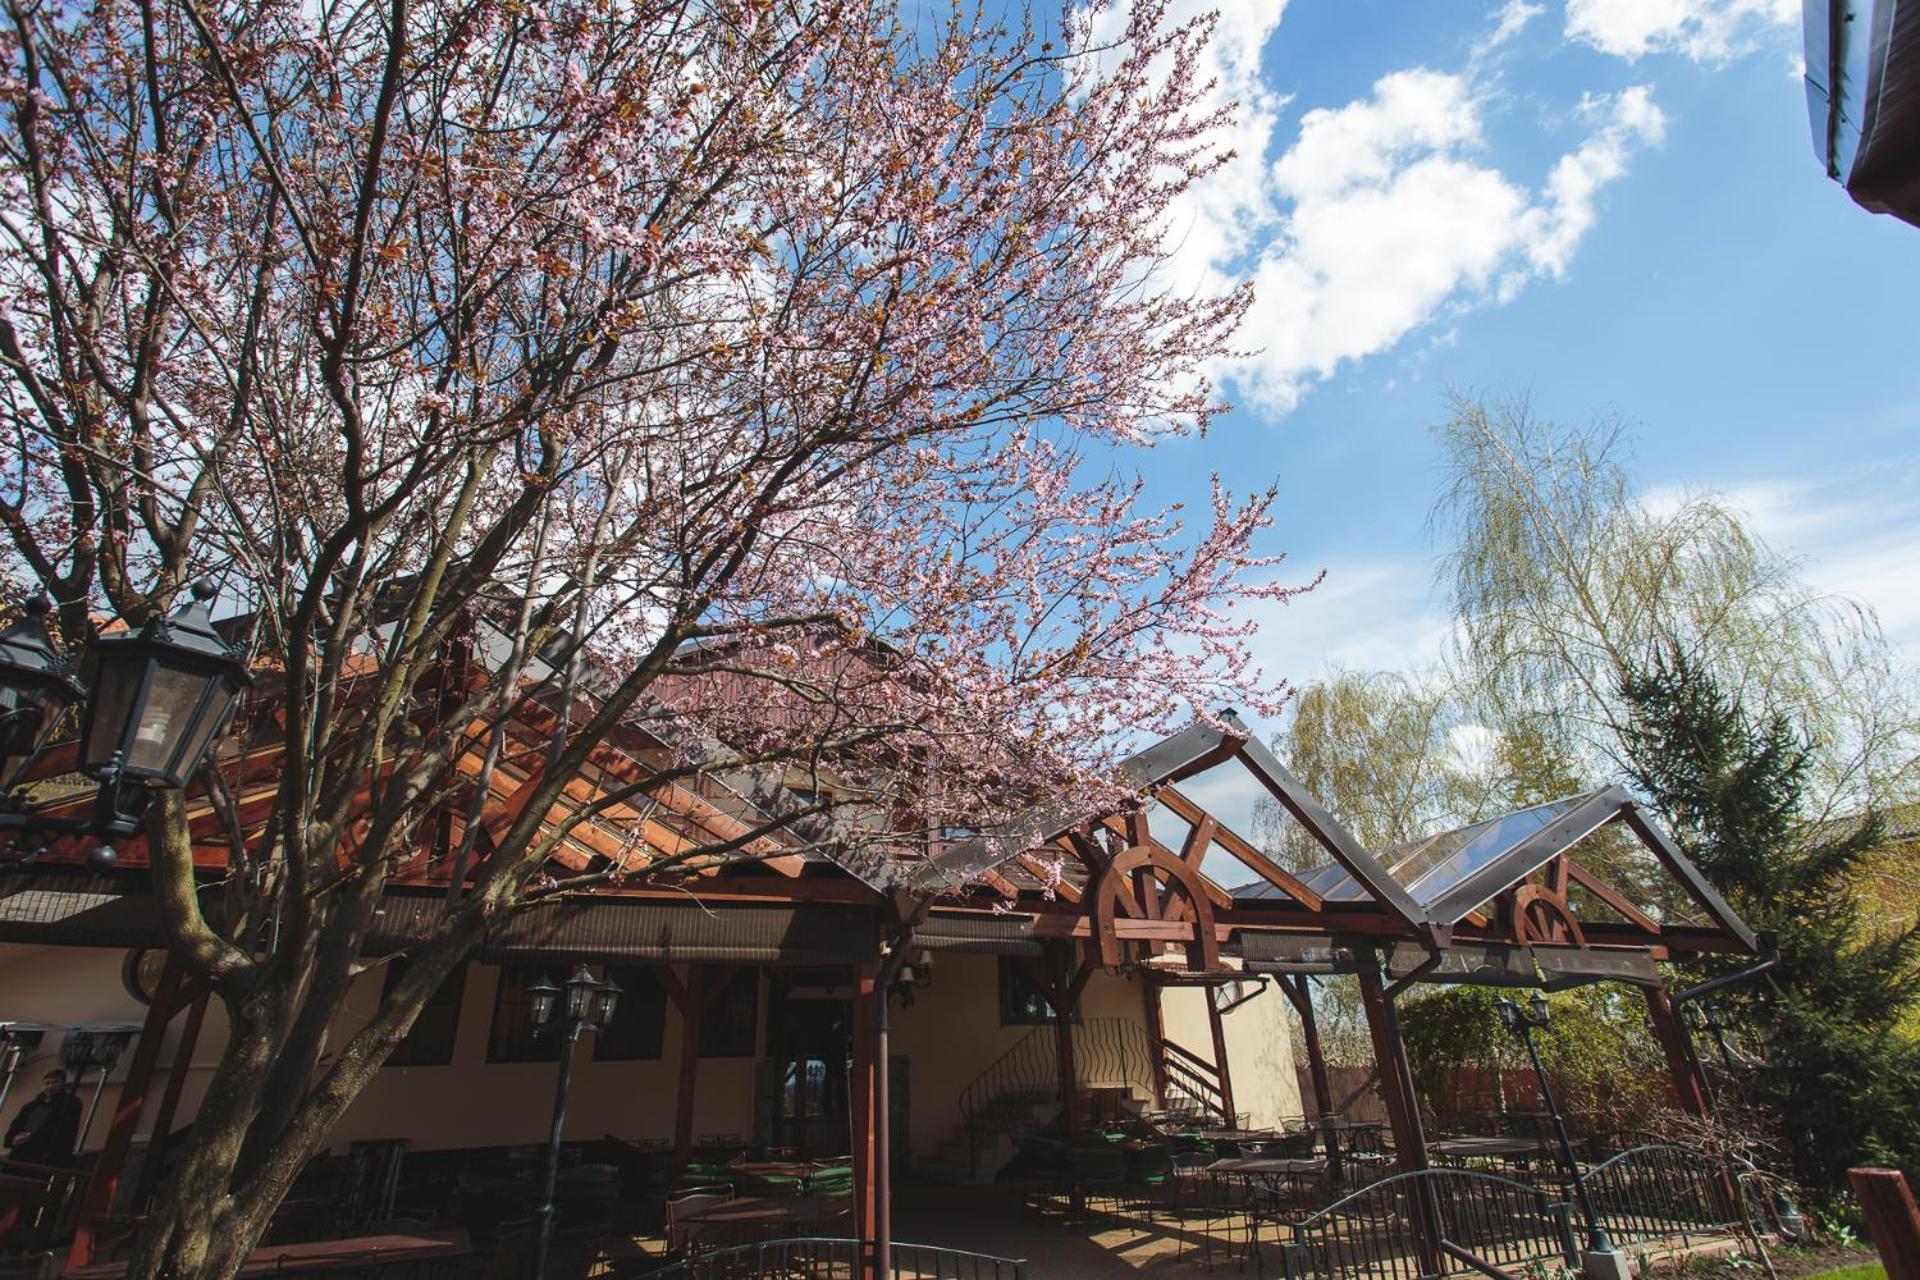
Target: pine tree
<point x="1836" y="1073"/>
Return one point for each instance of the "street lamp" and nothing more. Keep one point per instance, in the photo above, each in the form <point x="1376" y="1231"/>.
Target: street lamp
<point x="1522" y="1021"/>
<point x="151" y="704"/>
<point x="589" y="1006"/>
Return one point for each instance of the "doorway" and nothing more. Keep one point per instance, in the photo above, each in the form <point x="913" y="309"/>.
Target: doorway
<point x="810" y="1043"/>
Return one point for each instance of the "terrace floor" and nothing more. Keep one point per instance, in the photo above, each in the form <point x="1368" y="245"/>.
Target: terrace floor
<point x="991" y="1219"/>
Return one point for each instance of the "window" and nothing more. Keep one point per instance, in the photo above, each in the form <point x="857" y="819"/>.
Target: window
<point x="430" y="1042"/>
<point x="1022" y="1003"/>
<point x="726" y="1030"/>
<point x="639" y="1019"/>
<point x="511" y="1038"/>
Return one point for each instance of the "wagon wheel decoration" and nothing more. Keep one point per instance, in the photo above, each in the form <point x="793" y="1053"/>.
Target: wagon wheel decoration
<point x="1540" y="915"/>
<point x="1128" y="888"/>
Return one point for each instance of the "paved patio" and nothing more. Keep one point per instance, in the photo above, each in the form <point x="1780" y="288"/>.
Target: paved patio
<point x="990" y="1219"/>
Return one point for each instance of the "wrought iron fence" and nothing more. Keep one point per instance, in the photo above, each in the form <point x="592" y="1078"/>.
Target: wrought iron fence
<point x="1429" y="1224"/>
<point x="1661" y="1190"/>
<point x="833" y="1258"/>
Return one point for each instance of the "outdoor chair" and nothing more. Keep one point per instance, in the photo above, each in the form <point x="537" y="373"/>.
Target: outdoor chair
<point x="1295" y="1146"/>
<point x="1095" y="1170"/>
<point x="1200" y="1197"/>
<point x="511" y="1251"/>
<point x="682" y="1236"/>
<point x="1147" y="1177"/>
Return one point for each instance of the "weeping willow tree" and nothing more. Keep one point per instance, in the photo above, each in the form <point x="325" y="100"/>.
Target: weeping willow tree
<point x="1566" y="583"/>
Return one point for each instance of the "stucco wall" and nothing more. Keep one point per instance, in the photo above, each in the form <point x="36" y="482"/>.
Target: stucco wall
<point x="950" y="1035"/>
<point x="1259" y="1048"/>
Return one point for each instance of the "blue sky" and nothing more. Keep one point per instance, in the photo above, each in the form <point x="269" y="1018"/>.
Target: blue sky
<point x="1612" y="204"/>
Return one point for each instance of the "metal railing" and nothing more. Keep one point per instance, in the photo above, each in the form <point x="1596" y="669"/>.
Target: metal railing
<point x="1196" y="1082"/>
<point x="1660" y="1190"/>
<point x="837" y="1258"/>
<point x="1000" y="1100"/>
<point x="1429" y="1224"/>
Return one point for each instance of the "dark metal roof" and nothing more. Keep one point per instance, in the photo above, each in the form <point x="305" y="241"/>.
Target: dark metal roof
<point x="1008" y="935"/>
<point x="1863" y="99"/>
<point x="47" y="908"/>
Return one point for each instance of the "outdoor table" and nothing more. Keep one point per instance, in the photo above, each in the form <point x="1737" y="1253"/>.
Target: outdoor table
<point x="1488" y="1148"/>
<point x="1270" y="1164"/>
<point x="765" y="1210"/>
<point x="357" y="1253"/>
<point x="772" y="1168"/>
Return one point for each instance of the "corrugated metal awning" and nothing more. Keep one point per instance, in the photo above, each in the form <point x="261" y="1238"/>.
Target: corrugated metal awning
<point x="1490" y="964"/>
<point x="1009" y="935"/>
<point x="52" y="909"/>
<point x="1293" y="953"/>
<point x="633" y="929"/>
<point x="669" y="932"/>
<point x="42" y="908"/>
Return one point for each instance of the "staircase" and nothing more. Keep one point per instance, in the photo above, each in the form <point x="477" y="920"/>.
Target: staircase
<point x="1020" y="1092"/>
<point x="1193" y="1084"/>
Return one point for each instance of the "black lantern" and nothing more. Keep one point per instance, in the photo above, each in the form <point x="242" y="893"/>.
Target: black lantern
<point x="605" y="1000"/>
<point x="590" y="1006"/>
<point x="35" y="691"/>
<point x="580" y="989"/>
<point x="1541" y="1013"/>
<point x="542" y="999"/>
<point x="160" y="697"/>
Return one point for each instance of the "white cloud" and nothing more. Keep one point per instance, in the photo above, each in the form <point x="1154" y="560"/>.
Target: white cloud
<point x="1376" y="216"/>
<point x="1705" y="30"/>
<point x="1856" y="533"/>
<point x="1393" y="216"/>
<point x="1368" y="615"/>
<point x="1514" y="17"/>
<point x="1625" y="123"/>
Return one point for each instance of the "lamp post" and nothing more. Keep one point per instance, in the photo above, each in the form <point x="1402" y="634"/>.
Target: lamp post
<point x="151" y="703"/>
<point x="1717" y="1022"/>
<point x="1521" y="1021"/>
<point x="589" y="1006"/>
<point x="98" y="1048"/>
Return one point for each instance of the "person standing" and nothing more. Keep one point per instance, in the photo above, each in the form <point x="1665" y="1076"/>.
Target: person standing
<point x="44" y="1130"/>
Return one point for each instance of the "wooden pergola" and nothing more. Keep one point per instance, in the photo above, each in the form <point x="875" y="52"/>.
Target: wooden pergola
<point x="1505" y="902"/>
<point x="1068" y="891"/>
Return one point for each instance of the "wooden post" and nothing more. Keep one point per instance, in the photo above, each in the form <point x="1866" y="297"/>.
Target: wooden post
<point x="1302" y="997"/>
<point x="1389" y="1053"/>
<point x="1219" y="1027"/>
<point x="1063" y="996"/>
<point x="1403" y="1105"/>
<point x="1690" y="1086"/>
<point x="867" y="1110"/>
<point x="169" y="1103"/>
<point x="1893" y="1220"/>
<point x="692" y="1001"/>
<point x="112" y="1160"/>
<point x="1156" y="1037"/>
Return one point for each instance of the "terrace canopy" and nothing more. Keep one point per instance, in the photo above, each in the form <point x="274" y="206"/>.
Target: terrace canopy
<point x="1582" y="889"/>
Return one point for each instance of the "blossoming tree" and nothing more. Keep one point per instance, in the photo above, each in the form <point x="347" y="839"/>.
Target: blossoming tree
<point x="612" y="354"/>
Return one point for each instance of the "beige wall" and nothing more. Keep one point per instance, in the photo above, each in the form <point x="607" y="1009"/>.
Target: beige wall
<point x="950" y="1035"/>
<point x="1259" y="1048"/>
<point x="67" y="985"/>
<point x="468" y="1103"/>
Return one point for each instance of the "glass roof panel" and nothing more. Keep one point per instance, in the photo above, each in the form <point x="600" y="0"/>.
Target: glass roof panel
<point x="1438" y="863"/>
<point x="1428" y="869"/>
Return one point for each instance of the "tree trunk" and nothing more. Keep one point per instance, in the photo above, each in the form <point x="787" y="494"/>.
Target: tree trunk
<point x="214" y="1209"/>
